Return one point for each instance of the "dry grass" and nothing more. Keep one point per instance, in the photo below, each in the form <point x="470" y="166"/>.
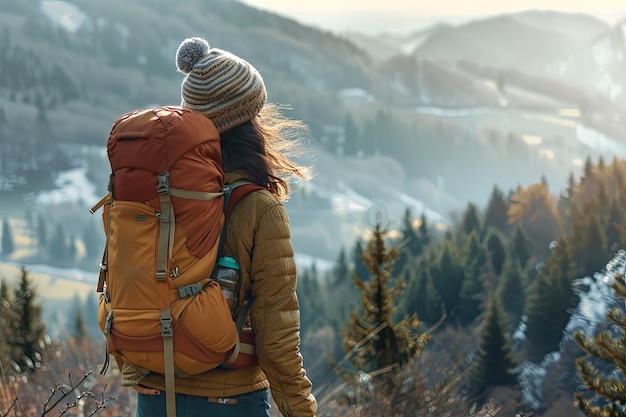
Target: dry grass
<point x="66" y="385"/>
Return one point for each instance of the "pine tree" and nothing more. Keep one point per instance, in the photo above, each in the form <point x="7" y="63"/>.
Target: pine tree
<point x="587" y="171"/>
<point x="601" y="198"/>
<point x="471" y="219"/>
<point x="512" y="292"/>
<point x="8" y="244"/>
<point x="589" y="243"/>
<point x="360" y="269"/>
<point x="411" y="244"/>
<point x="597" y="254"/>
<point x="494" y="362"/>
<point x="549" y="301"/>
<point x="29" y="333"/>
<point x="341" y="271"/>
<point x="521" y="246"/>
<point x="615" y="222"/>
<point x="373" y="337"/>
<point x="564" y="205"/>
<point x="607" y="394"/>
<point x="424" y="231"/>
<point x="496" y="215"/>
<point x="497" y="252"/>
<point x="476" y="253"/>
<point x="310" y="297"/>
<point x="410" y="236"/>
<point x="470" y="297"/>
<point x="448" y="276"/>
<point x="421" y="297"/>
<point x="601" y="164"/>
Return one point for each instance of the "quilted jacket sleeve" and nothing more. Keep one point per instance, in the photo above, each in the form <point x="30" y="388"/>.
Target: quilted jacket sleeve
<point x="275" y="314"/>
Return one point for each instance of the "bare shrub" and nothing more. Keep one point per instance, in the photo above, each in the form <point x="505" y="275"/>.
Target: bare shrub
<point x="67" y="384"/>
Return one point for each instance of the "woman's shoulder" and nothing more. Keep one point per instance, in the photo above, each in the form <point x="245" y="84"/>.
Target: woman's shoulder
<point x="254" y="204"/>
<point x="259" y="200"/>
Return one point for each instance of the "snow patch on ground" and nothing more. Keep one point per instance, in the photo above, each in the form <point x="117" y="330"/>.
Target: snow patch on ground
<point x="64" y="13"/>
<point x="73" y="186"/>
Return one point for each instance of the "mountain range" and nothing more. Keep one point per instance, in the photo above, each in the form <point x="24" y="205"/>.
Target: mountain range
<point x="501" y="101"/>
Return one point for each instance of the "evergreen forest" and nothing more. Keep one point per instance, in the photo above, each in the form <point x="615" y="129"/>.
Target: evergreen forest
<point x="419" y="318"/>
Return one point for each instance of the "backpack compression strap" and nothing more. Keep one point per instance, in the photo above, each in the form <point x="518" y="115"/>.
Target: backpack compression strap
<point x="166" y="224"/>
<point x="164" y="253"/>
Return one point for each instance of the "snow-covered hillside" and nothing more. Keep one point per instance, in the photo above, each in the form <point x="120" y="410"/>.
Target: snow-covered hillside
<point x="596" y="298"/>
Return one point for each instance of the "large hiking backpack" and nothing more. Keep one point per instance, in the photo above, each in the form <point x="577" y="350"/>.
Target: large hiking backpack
<point x="163" y="216"/>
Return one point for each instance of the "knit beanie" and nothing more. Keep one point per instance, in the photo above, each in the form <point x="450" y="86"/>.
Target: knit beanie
<point x="222" y="86"/>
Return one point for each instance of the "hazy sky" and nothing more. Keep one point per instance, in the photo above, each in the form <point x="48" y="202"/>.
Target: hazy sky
<point x="400" y="15"/>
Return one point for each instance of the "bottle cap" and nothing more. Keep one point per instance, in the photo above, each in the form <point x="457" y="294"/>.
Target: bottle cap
<point x="228" y="262"/>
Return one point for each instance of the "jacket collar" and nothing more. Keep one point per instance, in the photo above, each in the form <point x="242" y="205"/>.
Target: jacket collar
<point x="234" y="176"/>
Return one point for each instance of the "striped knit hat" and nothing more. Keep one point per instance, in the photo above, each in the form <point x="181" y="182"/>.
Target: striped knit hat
<point x="222" y="86"/>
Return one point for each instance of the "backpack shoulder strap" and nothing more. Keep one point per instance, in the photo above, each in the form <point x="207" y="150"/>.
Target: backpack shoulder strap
<point x="238" y="191"/>
<point x="232" y="194"/>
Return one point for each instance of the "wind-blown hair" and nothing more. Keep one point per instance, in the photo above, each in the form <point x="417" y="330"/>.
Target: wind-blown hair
<point x="263" y="148"/>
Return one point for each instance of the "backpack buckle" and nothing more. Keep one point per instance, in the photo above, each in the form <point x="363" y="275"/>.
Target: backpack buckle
<point x="166" y="327"/>
<point x="163" y="186"/>
<point x="189" y="290"/>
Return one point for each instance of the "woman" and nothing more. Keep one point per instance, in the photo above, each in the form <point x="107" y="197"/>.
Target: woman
<point x="255" y="139"/>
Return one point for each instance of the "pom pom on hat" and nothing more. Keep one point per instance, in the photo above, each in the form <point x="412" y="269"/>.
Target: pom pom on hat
<point x="220" y="85"/>
<point x="189" y="52"/>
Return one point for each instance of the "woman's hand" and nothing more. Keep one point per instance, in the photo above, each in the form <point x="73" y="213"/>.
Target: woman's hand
<point x="146" y="391"/>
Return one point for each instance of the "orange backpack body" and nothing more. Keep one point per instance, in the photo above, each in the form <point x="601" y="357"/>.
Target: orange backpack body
<point x="159" y="307"/>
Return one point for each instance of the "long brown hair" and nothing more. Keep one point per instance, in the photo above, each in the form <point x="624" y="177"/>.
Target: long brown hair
<point x="263" y="148"/>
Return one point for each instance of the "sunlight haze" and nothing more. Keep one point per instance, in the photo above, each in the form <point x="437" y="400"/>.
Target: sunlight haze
<point x="407" y="15"/>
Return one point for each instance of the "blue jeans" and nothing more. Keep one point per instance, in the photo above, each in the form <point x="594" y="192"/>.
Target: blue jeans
<point x="252" y="404"/>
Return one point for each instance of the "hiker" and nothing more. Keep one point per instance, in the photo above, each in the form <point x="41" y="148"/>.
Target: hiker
<point x="230" y="92"/>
